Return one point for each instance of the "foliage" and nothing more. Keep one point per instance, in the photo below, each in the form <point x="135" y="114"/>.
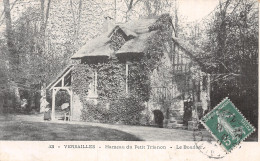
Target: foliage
<point x="111" y="91"/>
<point x="230" y="42"/>
<point x="111" y="79"/>
<point x="126" y="110"/>
<point x="139" y="80"/>
<point x="82" y="75"/>
<point x="34" y="62"/>
<point x="46" y="33"/>
<point x="117" y="40"/>
<point x="3" y="69"/>
<point x="94" y="112"/>
<point x="111" y="74"/>
<point x="62" y="97"/>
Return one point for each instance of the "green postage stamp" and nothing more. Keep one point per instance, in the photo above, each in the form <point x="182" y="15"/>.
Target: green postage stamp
<point x="228" y="126"/>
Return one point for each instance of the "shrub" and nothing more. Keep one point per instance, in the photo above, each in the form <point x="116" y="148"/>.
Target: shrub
<point x="126" y="110"/>
<point x="94" y="112"/>
<point x="146" y="118"/>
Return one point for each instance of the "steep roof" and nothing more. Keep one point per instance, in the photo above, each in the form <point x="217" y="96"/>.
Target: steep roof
<point x="137" y="44"/>
<point x="98" y="46"/>
<point x="137" y="32"/>
<point x="139" y="26"/>
<point x="59" y="76"/>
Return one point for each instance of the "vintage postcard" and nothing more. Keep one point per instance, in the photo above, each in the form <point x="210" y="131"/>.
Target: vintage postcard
<point x="129" y="80"/>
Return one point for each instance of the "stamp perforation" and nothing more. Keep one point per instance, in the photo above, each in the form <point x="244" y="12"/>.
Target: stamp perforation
<point x="214" y="136"/>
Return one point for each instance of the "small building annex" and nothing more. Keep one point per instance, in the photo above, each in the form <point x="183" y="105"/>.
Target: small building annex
<point x="172" y="80"/>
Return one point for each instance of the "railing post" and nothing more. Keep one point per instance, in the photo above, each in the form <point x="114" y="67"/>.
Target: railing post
<point x="53" y="104"/>
<point x="126" y="80"/>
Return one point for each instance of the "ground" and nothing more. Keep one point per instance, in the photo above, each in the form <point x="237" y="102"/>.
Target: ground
<point x="22" y="130"/>
<point x="32" y="127"/>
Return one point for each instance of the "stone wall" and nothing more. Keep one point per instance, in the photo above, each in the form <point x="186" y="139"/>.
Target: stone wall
<point x="77" y="106"/>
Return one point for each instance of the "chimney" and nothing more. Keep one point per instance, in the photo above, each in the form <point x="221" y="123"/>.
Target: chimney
<point x="108" y="24"/>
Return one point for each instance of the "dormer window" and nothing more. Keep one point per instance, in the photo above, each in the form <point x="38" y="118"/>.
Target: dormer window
<point x="93" y="86"/>
<point x="95" y="82"/>
<point x="117" y="39"/>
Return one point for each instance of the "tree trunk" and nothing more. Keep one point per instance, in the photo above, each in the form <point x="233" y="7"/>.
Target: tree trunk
<point x="45" y="8"/>
<point x="78" y="25"/>
<point x="1" y="102"/>
<point x="13" y="56"/>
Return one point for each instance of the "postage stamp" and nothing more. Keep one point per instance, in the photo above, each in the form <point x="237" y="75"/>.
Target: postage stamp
<point x="227" y="125"/>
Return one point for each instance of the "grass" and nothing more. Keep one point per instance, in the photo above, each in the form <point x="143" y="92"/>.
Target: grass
<point x="40" y="131"/>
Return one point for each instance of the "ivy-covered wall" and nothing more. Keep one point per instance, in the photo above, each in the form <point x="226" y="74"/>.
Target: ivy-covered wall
<point x="114" y="104"/>
<point x="158" y="65"/>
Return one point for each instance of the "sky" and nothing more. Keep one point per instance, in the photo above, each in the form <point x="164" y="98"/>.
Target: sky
<point x="196" y="9"/>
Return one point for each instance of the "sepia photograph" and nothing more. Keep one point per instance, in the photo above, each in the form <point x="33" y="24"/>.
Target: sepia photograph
<point x="128" y="70"/>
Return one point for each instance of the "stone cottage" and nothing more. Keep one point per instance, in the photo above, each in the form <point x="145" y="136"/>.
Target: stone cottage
<point x="179" y="89"/>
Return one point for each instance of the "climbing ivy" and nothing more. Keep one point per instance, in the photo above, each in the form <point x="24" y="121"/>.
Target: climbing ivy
<point x="117" y="40"/>
<point x="111" y="79"/>
<point x="82" y="76"/>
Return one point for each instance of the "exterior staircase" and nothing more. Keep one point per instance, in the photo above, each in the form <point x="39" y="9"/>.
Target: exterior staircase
<point x="175" y="120"/>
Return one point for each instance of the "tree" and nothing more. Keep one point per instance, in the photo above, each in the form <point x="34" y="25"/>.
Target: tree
<point x="25" y="39"/>
<point x="13" y="56"/>
<point x="231" y="45"/>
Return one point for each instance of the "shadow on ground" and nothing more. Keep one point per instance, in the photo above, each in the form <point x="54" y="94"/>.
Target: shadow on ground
<point x="32" y="128"/>
<point x="40" y="131"/>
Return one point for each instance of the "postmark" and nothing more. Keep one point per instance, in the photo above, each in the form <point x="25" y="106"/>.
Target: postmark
<point x="208" y="146"/>
<point x="227" y="125"/>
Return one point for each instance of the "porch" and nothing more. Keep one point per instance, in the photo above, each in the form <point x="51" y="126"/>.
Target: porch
<point x="62" y="83"/>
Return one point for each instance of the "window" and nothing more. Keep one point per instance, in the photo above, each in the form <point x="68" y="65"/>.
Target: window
<point x="199" y="92"/>
<point x="95" y="82"/>
<point x="93" y="86"/>
<point x="126" y="80"/>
